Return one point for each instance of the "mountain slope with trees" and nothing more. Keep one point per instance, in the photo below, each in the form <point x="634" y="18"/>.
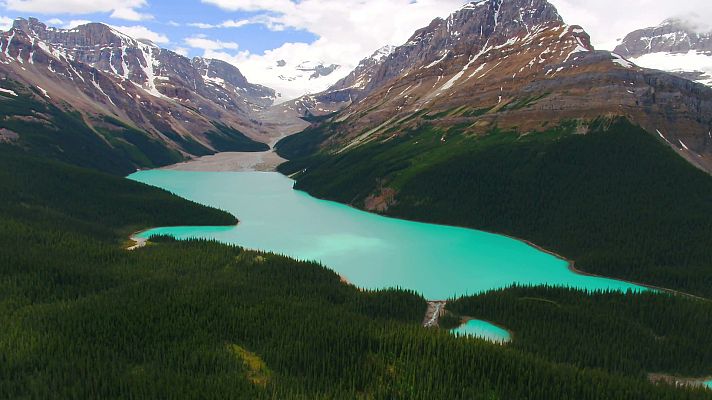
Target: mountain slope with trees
<point x="84" y="318"/>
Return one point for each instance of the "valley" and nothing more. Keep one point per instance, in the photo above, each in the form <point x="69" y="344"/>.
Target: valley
<point x="490" y="209"/>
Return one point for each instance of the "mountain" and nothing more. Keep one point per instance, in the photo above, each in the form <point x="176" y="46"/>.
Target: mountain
<point x="345" y="91"/>
<point x="127" y="99"/>
<point x="675" y="46"/>
<point x="504" y="118"/>
<point x="515" y="65"/>
<point x="354" y="86"/>
<point x="294" y="79"/>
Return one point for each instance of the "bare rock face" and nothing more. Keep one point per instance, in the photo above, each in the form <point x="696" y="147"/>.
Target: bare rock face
<point x="218" y="74"/>
<point x="465" y="33"/>
<point x="515" y="65"/>
<point x="99" y="72"/>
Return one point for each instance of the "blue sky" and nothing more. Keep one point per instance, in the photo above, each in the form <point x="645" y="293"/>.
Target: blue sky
<point x="173" y="19"/>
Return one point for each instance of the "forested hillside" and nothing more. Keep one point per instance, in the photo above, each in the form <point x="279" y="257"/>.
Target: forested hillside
<point x="84" y="318"/>
<point x="107" y="144"/>
<point x="617" y="200"/>
<point x="625" y="333"/>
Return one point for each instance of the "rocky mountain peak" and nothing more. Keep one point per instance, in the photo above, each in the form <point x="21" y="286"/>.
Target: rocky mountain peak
<point x="91" y="34"/>
<point x="469" y="31"/>
<point x="673" y="35"/>
<point x="527" y="36"/>
<point x="483" y="20"/>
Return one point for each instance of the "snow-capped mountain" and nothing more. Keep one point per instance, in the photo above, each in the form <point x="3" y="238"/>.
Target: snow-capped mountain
<point x="294" y="79"/>
<point x="673" y="46"/>
<point x="364" y="73"/>
<point x="192" y="106"/>
<point x="342" y="93"/>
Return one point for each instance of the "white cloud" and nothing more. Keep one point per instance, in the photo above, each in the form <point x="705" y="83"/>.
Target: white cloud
<point x="182" y="51"/>
<point x="209" y="45"/>
<point x="202" y="25"/>
<point x="121" y="9"/>
<point x="252" y="5"/>
<point x="347" y="30"/>
<point x="75" y="23"/>
<point x="55" y="22"/>
<point x="6" y="23"/>
<point x="232" y="23"/>
<point x="141" y="32"/>
<point x="130" y="14"/>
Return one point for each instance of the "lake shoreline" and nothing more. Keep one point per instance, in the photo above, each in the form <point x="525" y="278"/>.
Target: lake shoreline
<point x="678" y="380"/>
<point x="572" y="268"/>
<point x="502" y="342"/>
<point x="466" y="319"/>
<point x="140" y="242"/>
<point x="571" y="263"/>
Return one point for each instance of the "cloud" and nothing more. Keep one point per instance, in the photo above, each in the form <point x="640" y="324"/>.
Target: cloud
<point x="121" y="9"/>
<point x="346" y="30"/>
<point x="130" y="14"/>
<point x="202" y="25"/>
<point x="209" y="45"/>
<point x="141" y="32"/>
<point x="182" y="51"/>
<point x="252" y="5"/>
<point x="697" y="22"/>
<point x="55" y="22"/>
<point x="75" y="23"/>
<point x="226" y="24"/>
<point x="6" y="23"/>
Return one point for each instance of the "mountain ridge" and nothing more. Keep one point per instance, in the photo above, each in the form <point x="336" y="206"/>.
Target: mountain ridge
<point x="189" y="107"/>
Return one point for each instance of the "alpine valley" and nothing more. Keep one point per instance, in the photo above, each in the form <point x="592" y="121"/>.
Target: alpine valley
<point x="528" y="217"/>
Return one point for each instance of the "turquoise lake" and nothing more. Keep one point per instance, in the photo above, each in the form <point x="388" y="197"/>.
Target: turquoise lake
<point x="483" y="330"/>
<point x="709" y="384"/>
<point x="369" y="250"/>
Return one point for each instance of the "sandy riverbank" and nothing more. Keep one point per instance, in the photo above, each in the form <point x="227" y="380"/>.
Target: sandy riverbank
<point x="679" y="381"/>
<point x="231" y="162"/>
<point x="279" y="122"/>
<point x="138" y="241"/>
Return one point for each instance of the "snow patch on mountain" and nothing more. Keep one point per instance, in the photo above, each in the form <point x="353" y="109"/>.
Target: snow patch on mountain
<point x="692" y="61"/>
<point x="292" y="79"/>
<point x="672" y="46"/>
